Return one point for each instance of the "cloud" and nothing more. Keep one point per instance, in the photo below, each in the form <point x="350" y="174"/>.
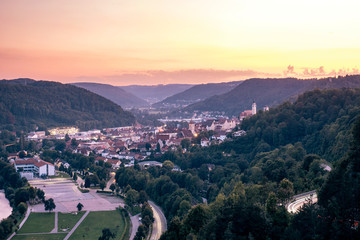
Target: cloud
<point x="190" y="76"/>
<point x="318" y="72"/>
<point x="289" y="71"/>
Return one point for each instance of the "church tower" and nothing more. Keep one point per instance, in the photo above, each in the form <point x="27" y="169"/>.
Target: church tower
<point x="253" y="110"/>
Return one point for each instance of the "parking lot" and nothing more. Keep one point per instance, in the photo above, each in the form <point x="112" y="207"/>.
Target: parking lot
<point x="66" y="196"/>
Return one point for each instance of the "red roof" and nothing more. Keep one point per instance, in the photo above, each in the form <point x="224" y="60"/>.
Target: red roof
<point x="24" y="162"/>
<point x="40" y="164"/>
<point x="113" y="161"/>
<point x="36" y="162"/>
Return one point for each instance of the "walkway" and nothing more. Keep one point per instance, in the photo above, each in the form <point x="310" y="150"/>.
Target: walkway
<point x="23" y="221"/>
<point x="76" y="225"/>
<point x="55" y="230"/>
<point x="134" y="225"/>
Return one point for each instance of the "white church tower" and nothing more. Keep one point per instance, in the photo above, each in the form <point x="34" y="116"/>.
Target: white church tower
<point x="253" y="110"/>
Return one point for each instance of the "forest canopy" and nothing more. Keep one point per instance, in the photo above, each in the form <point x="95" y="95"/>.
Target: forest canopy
<point x="28" y="104"/>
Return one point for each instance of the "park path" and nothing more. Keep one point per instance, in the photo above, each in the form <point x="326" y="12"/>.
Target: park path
<point x="55" y="230"/>
<point x="111" y="181"/>
<point x="76" y="225"/>
<point x="134" y="225"/>
<point x="28" y="211"/>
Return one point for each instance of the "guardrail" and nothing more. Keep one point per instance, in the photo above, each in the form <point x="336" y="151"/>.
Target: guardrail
<point x="304" y="194"/>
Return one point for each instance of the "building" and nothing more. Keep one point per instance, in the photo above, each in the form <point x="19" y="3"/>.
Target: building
<point x="248" y="113"/>
<point x="33" y="167"/>
<point x="253" y="109"/>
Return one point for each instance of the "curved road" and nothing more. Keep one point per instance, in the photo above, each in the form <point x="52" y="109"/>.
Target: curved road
<point x="299" y="200"/>
<point x="160" y="224"/>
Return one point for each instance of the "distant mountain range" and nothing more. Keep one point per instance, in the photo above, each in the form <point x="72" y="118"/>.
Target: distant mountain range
<point x="156" y="93"/>
<point x="117" y="95"/>
<point x="26" y="104"/>
<point x="196" y="94"/>
<point x="268" y="92"/>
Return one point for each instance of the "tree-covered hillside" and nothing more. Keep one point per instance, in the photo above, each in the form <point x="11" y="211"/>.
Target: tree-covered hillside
<point x="268" y="92"/>
<point x="248" y="180"/>
<point x="26" y="105"/>
<point x="197" y="93"/>
<point x="115" y="94"/>
<point x="156" y="93"/>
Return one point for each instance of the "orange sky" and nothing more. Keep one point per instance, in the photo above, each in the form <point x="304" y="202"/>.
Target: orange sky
<point x="125" y="42"/>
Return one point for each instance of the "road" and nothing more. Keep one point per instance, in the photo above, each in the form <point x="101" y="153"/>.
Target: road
<point x="160" y="224"/>
<point x="299" y="200"/>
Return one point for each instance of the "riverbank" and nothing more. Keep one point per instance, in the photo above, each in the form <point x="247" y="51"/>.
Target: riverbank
<point x="5" y="209"/>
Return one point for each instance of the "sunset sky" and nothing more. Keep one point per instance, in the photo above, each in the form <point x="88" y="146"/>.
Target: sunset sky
<point x="124" y="42"/>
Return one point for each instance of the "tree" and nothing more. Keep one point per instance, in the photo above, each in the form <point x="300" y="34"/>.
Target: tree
<point x="22" y="207"/>
<point x="147" y="211"/>
<point x="185" y="143"/>
<point x="132" y="197"/>
<point x="74" y="143"/>
<point x="141" y="233"/>
<point x="40" y="194"/>
<point x="106" y="234"/>
<point x="79" y="207"/>
<point x="168" y="165"/>
<point x="143" y="197"/>
<point x="49" y="205"/>
<point x="87" y="182"/>
<point x="22" y="154"/>
<point x="286" y="190"/>
<point x="184" y="207"/>
<point x="67" y="138"/>
<point x="112" y="187"/>
<point x="60" y="146"/>
<point x="102" y="184"/>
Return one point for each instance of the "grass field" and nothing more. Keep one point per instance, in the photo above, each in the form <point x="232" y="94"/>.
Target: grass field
<point x="60" y="175"/>
<point x="95" y="222"/>
<point x="56" y="236"/>
<point x="68" y="220"/>
<point x="39" y="223"/>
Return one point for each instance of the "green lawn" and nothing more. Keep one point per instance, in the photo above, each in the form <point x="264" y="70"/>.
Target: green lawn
<point x="68" y="220"/>
<point x="39" y="223"/>
<point x="60" y="175"/>
<point x="55" y="236"/>
<point x="95" y="222"/>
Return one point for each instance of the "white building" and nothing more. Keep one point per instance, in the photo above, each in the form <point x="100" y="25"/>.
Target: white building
<point x="33" y="167"/>
<point x="253" y="109"/>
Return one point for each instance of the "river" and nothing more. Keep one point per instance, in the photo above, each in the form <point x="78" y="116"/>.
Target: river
<point x="5" y="209"/>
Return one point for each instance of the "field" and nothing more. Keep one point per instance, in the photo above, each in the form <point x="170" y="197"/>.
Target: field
<point x="39" y="223"/>
<point x="95" y="222"/>
<point x="68" y="220"/>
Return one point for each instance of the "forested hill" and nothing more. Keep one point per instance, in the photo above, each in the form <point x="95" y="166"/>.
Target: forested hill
<point x="115" y="94"/>
<point x="197" y="93"/>
<point x="26" y="104"/>
<point x="268" y="92"/>
<point x="156" y="93"/>
<point x="284" y="152"/>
